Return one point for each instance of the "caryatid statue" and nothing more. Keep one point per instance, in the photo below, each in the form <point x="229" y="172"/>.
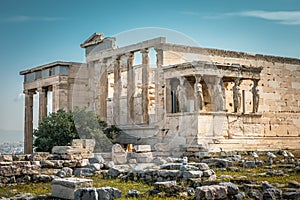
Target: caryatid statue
<point x="218" y="95"/>
<point x="199" y="101"/>
<point x="236" y="95"/>
<point x="182" y="99"/>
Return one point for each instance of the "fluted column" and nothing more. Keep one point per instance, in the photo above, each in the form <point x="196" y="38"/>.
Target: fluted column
<point x="42" y="103"/>
<point x="103" y="90"/>
<point x="130" y="88"/>
<point x="117" y="90"/>
<point x="145" y="85"/>
<point x="159" y="89"/>
<point x="28" y="126"/>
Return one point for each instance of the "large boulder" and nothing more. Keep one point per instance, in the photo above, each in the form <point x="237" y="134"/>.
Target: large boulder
<point x="65" y="187"/>
<point x="211" y="192"/>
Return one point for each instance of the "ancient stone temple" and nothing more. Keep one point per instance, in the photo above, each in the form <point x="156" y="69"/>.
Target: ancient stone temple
<point x="181" y="98"/>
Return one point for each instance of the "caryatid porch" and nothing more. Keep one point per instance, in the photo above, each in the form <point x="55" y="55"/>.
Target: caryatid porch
<point x="203" y="97"/>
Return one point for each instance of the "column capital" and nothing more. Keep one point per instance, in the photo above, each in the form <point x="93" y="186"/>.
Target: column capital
<point x="129" y="54"/>
<point x="144" y="51"/>
<point x="29" y="92"/>
<point x="255" y="82"/>
<point x="198" y="77"/>
<point x="42" y="89"/>
<point x="116" y="57"/>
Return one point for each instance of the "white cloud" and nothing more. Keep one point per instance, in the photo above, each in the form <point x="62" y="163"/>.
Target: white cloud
<point x="23" y="18"/>
<point x="282" y="17"/>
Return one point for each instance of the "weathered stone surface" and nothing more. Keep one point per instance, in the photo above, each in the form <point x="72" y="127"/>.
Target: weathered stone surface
<point x="171" y="166"/>
<point x="192" y="174"/>
<point x="65" y="172"/>
<point x="218" y="162"/>
<point x="97" y="159"/>
<point x="159" y="160"/>
<point x="208" y="173"/>
<point x="108" y="193"/>
<point x="65" y="188"/>
<point x="211" y="192"/>
<point x="38" y="156"/>
<point x="117" y="148"/>
<point x="272" y="194"/>
<point x="249" y="164"/>
<point x="83" y="172"/>
<point x="142" y="148"/>
<point x="119" y="155"/>
<point x="291" y="195"/>
<point x="133" y="193"/>
<point x="115" y="172"/>
<point x="294" y="184"/>
<point x="86" y="194"/>
<point x="42" y="178"/>
<point x="231" y="188"/>
<point x="6" y="158"/>
<point x="201" y="166"/>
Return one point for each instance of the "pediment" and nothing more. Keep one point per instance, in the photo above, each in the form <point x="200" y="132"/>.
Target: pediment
<point x="96" y="38"/>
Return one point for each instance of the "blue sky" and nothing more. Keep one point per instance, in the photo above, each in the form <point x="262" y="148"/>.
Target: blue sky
<point x="35" y="32"/>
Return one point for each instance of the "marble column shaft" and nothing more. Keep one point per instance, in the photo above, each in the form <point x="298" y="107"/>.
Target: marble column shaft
<point x="145" y="85"/>
<point x="103" y="82"/>
<point x="130" y="88"/>
<point x="42" y="103"/>
<point x="117" y="90"/>
<point x="28" y="126"/>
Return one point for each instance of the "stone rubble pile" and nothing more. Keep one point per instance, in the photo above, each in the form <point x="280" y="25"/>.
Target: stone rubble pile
<point x="42" y="166"/>
<point x="165" y="174"/>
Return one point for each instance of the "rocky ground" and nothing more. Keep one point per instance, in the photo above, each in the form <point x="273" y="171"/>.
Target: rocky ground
<point x="243" y="175"/>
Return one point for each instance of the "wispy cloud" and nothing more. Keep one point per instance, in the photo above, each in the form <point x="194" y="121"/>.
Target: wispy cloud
<point x="24" y="18"/>
<point x="282" y="17"/>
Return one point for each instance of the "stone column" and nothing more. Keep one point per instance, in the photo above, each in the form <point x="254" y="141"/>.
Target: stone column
<point x="130" y="88"/>
<point x="28" y="126"/>
<point x="181" y="92"/>
<point x="117" y="90"/>
<point x="198" y="94"/>
<point x="159" y="89"/>
<point x="42" y="103"/>
<point x="255" y="96"/>
<point x="236" y="95"/>
<point x="145" y="85"/>
<point x="103" y="90"/>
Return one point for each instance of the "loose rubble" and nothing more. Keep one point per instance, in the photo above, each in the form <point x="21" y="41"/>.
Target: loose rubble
<point x="170" y="176"/>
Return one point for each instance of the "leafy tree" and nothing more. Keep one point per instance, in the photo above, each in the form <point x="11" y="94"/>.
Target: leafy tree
<point x="57" y="129"/>
<point x="60" y="128"/>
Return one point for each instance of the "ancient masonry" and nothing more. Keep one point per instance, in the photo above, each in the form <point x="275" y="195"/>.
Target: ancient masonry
<point x="185" y="99"/>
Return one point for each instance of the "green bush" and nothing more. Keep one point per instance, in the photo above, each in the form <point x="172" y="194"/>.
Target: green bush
<point x="60" y="128"/>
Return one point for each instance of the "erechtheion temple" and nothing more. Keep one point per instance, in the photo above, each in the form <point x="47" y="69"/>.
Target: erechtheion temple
<point x="190" y="98"/>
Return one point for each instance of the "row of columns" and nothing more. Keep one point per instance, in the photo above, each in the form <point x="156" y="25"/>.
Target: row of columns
<point x="237" y="96"/>
<point x="59" y="101"/>
<point x="28" y="125"/>
<point x="131" y="87"/>
<point x="217" y="94"/>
